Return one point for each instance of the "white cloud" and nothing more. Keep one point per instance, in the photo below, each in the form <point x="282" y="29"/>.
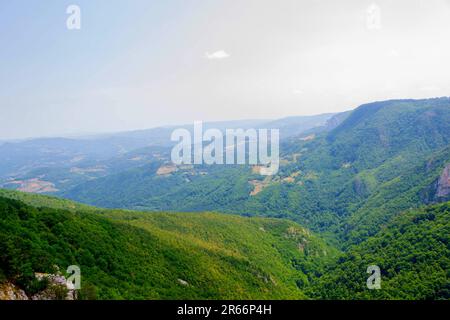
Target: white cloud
<point x="394" y="53"/>
<point x="221" y="54"/>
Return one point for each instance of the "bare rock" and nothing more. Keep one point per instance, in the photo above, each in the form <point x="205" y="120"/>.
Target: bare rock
<point x="8" y="291"/>
<point x="183" y="282"/>
<point x="58" y="289"/>
<point x="443" y="185"/>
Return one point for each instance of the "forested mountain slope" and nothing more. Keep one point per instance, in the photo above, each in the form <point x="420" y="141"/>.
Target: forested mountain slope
<point x="412" y="252"/>
<point x="362" y="184"/>
<point x="132" y="255"/>
<point x="383" y="157"/>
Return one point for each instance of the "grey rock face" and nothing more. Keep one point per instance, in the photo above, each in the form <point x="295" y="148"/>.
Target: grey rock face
<point x="443" y="185"/>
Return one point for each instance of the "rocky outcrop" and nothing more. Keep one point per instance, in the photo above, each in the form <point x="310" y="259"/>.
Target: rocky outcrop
<point x="439" y="190"/>
<point x="8" y="291"/>
<point x="443" y="185"/>
<point x="58" y="288"/>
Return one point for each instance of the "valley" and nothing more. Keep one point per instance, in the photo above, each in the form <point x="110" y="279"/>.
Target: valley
<point x="366" y="187"/>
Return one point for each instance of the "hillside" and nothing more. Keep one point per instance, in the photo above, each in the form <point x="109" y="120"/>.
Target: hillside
<point x="44" y="201"/>
<point x="413" y="253"/>
<point x="380" y="159"/>
<point x="56" y="165"/>
<point x="361" y="182"/>
<point x="132" y="255"/>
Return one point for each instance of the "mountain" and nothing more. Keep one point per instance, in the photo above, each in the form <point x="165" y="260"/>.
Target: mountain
<point x="412" y="252"/>
<point x="288" y="126"/>
<point x="133" y="255"/>
<point x="378" y="160"/>
<point x="294" y="126"/>
<point x="372" y="185"/>
<point x="55" y="165"/>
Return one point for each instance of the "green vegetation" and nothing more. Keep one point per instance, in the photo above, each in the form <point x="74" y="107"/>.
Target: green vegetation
<point x="413" y="253"/>
<point x="379" y="161"/>
<point x="44" y="201"/>
<point x="136" y="255"/>
<point x="369" y="187"/>
<point x="132" y="255"/>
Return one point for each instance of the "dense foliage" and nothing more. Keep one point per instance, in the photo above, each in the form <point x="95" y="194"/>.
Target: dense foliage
<point x="131" y="255"/>
<point x="368" y="185"/>
<point x="413" y="253"/>
<point x="345" y="183"/>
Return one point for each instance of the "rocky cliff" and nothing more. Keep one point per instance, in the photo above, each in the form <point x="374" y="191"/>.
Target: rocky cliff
<point x="58" y="288"/>
<point x="443" y="185"/>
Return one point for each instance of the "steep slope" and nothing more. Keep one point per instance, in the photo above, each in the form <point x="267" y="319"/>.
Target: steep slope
<point x="412" y="252"/>
<point x="408" y="188"/>
<point x="382" y="158"/>
<point x="378" y="131"/>
<point x="132" y="255"/>
<point x="294" y="126"/>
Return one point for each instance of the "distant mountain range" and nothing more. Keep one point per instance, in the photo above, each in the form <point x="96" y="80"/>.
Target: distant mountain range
<point x="344" y="181"/>
<point x="47" y="165"/>
<point x="365" y="187"/>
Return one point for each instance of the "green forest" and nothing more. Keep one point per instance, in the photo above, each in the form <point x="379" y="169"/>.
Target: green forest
<point x="373" y="189"/>
<point x="136" y="255"/>
<point x="132" y="255"/>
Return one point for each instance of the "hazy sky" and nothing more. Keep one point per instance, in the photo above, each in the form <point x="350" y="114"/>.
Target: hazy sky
<point x="140" y="63"/>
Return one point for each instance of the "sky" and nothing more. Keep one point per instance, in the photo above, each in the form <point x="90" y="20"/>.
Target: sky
<point x="137" y="64"/>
